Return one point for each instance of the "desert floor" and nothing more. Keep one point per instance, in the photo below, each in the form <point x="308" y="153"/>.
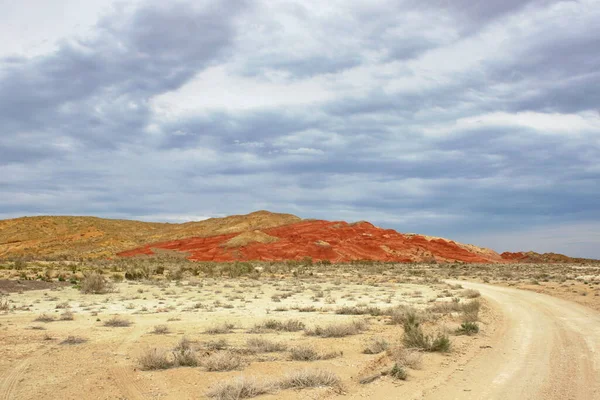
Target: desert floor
<point x="54" y="343"/>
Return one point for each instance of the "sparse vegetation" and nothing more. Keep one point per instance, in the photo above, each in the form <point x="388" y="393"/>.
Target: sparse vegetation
<point x="304" y="379"/>
<point x="67" y="316"/>
<point x="44" y="318"/>
<point x="338" y="330"/>
<point x="239" y="388"/>
<point x="95" y="283"/>
<point x="184" y="355"/>
<point x="468" y="328"/>
<point x="219" y="329"/>
<point x="4" y="306"/>
<point x="160" y="330"/>
<point x="308" y="353"/>
<point x="415" y="338"/>
<point x="370" y="299"/>
<point x="71" y="340"/>
<point x="261" y="345"/>
<point x="398" y="372"/>
<point x="222" y="361"/>
<point x="376" y="346"/>
<point x="153" y="359"/>
<point x="291" y="325"/>
<point x="470" y="293"/>
<point x="117" y="322"/>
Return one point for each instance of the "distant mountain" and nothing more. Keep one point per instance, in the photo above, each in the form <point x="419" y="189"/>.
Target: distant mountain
<point x="533" y="257"/>
<point x="260" y="235"/>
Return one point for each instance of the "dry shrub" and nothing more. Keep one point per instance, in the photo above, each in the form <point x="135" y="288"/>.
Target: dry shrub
<point x="406" y="357"/>
<point x="245" y="388"/>
<point x="216" y="344"/>
<point x="117" y="322"/>
<point x="153" y="359"/>
<point x="290" y="325"/>
<point x="74" y="340"/>
<point x="223" y="328"/>
<point x="4" y="306"/>
<point x="445" y="307"/>
<point x="261" y="345"/>
<point x="184" y="355"/>
<point x="67" y="316"/>
<point x="160" y="329"/>
<point x="44" y="318"/>
<point x="222" y="361"/>
<point x="309" y="353"/>
<point x="402" y="314"/>
<point x="376" y="346"/>
<point x="470" y="293"/>
<point x="338" y="330"/>
<point x="307" y="378"/>
<point x="471" y="311"/>
<point x="239" y="388"/>
<point x="95" y="283"/>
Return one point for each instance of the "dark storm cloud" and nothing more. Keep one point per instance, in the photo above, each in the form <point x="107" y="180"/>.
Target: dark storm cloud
<point x="450" y="118"/>
<point x="96" y="88"/>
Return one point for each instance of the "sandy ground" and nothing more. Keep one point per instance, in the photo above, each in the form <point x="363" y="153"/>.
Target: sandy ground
<point x="34" y="364"/>
<point x="531" y="345"/>
<point x="544" y="348"/>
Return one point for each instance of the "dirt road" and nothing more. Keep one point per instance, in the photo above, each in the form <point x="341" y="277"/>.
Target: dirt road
<point x="545" y="348"/>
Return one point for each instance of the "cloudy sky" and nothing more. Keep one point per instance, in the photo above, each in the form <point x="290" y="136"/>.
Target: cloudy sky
<point x="477" y="120"/>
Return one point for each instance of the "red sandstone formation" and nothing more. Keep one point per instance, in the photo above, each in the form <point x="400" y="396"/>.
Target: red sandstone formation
<point x="323" y="240"/>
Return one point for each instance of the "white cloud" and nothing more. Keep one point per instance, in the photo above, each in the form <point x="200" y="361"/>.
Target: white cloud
<point x="587" y="122"/>
<point x="218" y="88"/>
<point x="33" y="27"/>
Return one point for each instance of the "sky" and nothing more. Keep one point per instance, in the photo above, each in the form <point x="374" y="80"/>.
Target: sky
<point x="473" y="120"/>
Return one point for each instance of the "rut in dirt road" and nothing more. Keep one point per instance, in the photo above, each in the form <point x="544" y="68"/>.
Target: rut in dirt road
<point x="546" y="348"/>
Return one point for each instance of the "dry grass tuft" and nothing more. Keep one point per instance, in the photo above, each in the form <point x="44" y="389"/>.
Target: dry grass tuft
<point x="239" y="388"/>
<point x="307" y="378"/>
<point x="184" y="355"/>
<point x="470" y="293"/>
<point x="74" y="340"/>
<point x="117" y="322"/>
<point x="222" y="361"/>
<point x="4" y="306"/>
<point x="290" y="325"/>
<point x="95" y="284"/>
<point x="67" y="316"/>
<point x="376" y="346"/>
<point x="309" y="353"/>
<point x="44" y="318"/>
<point x="338" y="330"/>
<point x="406" y="357"/>
<point x="261" y="345"/>
<point x="220" y="329"/>
<point x="160" y="330"/>
<point x="153" y="359"/>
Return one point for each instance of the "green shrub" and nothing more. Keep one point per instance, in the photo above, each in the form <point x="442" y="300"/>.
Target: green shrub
<point x="415" y="338"/>
<point x="398" y="372"/>
<point x="468" y="328"/>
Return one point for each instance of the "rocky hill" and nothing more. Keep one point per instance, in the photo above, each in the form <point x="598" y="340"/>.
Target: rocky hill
<point x="322" y="240"/>
<point x="91" y="237"/>
<point x="260" y="235"/>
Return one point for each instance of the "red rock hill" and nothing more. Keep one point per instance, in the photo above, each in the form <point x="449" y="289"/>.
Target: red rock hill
<point x="323" y="240"/>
